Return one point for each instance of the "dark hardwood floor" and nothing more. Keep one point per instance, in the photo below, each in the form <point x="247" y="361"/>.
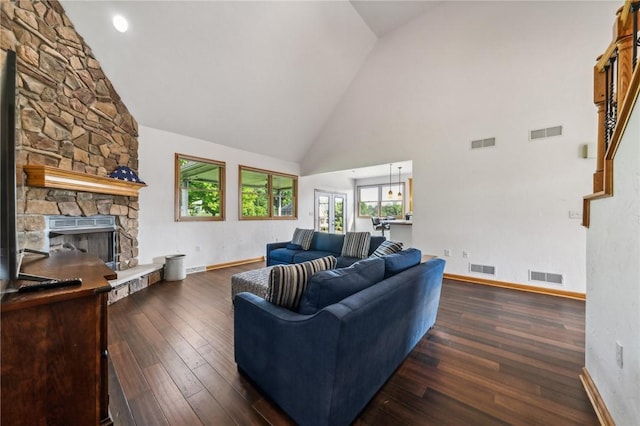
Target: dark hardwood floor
<point x="496" y="356"/>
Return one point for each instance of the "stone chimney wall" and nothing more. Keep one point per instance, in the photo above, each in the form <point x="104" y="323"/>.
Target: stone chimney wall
<point x="71" y="118"/>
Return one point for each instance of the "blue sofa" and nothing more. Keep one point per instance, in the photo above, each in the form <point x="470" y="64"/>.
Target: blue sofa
<point x="323" y="244"/>
<point x="323" y="368"/>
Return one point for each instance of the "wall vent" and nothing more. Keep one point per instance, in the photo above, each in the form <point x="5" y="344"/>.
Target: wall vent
<point x="482" y="269"/>
<point x="194" y="269"/>
<point x="546" y="277"/>
<point x="483" y="143"/>
<point x="545" y="133"/>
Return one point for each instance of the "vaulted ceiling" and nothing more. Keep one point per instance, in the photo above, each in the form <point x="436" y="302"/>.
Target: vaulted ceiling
<point x="261" y="76"/>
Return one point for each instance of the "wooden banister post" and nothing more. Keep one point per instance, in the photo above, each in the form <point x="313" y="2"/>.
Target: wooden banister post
<point x="599" y="97"/>
<point x="623" y="33"/>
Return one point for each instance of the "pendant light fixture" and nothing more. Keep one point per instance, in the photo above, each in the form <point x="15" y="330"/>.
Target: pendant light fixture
<point x="390" y="194"/>
<point x="399" y="192"/>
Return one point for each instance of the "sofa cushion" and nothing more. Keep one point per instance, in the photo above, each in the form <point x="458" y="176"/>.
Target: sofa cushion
<point x="375" y="242"/>
<point x="288" y="282"/>
<point x="283" y="255"/>
<point x="398" y="262"/>
<point x="302" y="237"/>
<point x="323" y="241"/>
<point x="356" y="244"/>
<point x="344" y="261"/>
<point x="387" y="247"/>
<point x="292" y="246"/>
<point x="328" y="287"/>
<point x="305" y="256"/>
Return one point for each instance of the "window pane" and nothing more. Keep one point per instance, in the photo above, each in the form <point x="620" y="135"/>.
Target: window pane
<point x="199" y="189"/>
<point x="323" y="213"/>
<point x="267" y="195"/>
<point x="369" y="193"/>
<point x="255" y="197"/>
<point x="338" y="207"/>
<point x="283" y="196"/>
<point x="391" y="208"/>
<point x="369" y="208"/>
<point x="386" y="189"/>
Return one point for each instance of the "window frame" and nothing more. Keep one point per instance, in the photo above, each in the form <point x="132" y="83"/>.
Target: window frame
<point x="178" y="217"/>
<point x="381" y="198"/>
<point x="270" y="175"/>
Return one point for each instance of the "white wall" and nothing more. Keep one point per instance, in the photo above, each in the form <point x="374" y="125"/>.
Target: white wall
<point x="613" y="284"/>
<point x="218" y="242"/>
<point x="471" y="70"/>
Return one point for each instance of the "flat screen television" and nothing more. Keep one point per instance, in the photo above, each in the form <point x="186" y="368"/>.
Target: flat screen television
<point x="10" y="257"/>
<point x="10" y="250"/>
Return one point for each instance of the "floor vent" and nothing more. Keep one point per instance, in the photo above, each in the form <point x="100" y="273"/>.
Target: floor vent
<point x="482" y="269"/>
<point x="483" y="143"/>
<point x="545" y="133"/>
<point x="194" y="269"/>
<point x="546" y="277"/>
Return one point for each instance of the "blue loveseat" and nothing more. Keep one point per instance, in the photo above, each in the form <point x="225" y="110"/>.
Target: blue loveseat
<point x="322" y="244"/>
<point x="323" y="368"/>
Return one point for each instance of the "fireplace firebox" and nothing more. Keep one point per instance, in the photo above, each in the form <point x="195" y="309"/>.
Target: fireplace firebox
<point x="94" y="234"/>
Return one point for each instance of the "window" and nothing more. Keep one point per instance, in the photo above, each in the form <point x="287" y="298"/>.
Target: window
<point x="199" y="189"/>
<point x="374" y="200"/>
<point x="267" y="195"/>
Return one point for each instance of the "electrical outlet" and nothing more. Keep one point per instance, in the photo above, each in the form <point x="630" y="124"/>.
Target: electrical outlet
<point x="619" y="354"/>
<point x="447" y="252"/>
<point x="465" y="254"/>
<point x="575" y="214"/>
<point x="197" y="248"/>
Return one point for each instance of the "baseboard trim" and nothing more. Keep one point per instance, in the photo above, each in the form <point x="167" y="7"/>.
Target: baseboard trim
<point x="234" y="263"/>
<point x="596" y="400"/>
<point x="521" y="287"/>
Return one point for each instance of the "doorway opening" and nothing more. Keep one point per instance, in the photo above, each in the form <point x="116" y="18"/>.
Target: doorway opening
<point x="330" y="212"/>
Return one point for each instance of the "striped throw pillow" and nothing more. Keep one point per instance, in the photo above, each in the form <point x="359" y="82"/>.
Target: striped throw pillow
<point x="356" y="244"/>
<point x="387" y="247"/>
<point x="302" y="237"/>
<point x="288" y="282"/>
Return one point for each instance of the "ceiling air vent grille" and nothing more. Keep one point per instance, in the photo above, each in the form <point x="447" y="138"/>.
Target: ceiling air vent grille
<point x="546" y="277"/>
<point x="482" y="269"/>
<point x="545" y="133"/>
<point x="483" y="143"/>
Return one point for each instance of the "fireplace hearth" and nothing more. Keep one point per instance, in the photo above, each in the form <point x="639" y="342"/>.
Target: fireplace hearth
<point x="94" y="234"/>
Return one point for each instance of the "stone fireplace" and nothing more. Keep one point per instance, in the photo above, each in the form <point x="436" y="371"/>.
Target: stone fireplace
<point x="71" y="120"/>
<point x="55" y="216"/>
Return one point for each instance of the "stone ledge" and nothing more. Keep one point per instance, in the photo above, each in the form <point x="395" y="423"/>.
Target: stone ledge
<point x="133" y="280"/>
<point x="135" y="272"/>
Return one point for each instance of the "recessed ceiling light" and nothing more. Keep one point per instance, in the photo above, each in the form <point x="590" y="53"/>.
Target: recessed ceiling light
<point x="120" y="23"/>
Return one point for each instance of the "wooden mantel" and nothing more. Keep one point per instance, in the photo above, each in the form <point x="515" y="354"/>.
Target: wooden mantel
<point x="52" y="177"/>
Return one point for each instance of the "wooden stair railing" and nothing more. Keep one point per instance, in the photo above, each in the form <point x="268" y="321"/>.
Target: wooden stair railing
<point x="616" y="82"/>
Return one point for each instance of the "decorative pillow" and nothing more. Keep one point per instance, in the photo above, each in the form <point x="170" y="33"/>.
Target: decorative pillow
<point x="292" y="246"/>
<point x="356" y="244"/>
<point x="302" y="237"/>
<point x="387" y="247"/>
<point x="398" y="262"/>
<point x="288" y="282"/>
<point x="328" y="287"/>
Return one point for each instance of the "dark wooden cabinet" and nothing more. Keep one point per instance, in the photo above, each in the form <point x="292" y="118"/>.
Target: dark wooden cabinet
<point x="54" y="346"/>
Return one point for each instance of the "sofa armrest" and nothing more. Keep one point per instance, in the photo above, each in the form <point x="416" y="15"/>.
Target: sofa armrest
<point x="273" y="246"/>
<point x="291" y="357"/>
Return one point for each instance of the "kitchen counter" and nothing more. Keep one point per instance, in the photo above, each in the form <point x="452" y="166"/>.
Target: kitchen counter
<point x="401" y="231"/>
